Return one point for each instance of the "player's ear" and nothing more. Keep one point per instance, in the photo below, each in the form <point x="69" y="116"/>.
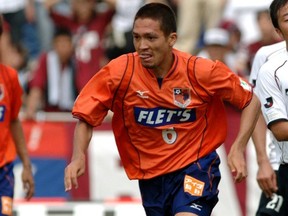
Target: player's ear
<point x="172" y="39"/>
<point x="279" y="32"/>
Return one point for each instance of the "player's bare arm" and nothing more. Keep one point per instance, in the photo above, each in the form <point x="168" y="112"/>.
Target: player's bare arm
<point x="27" y="176"/>
<point x="266" y="176"/>
<point x="236" y="159"/>
<point x="280" y="130"/>
<point x="82" y="137"/>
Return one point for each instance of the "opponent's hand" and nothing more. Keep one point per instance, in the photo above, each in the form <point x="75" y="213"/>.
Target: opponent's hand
<point x="75" y="169"/>
<point x="28" y="182"/>
<point x="237" y="164"/>
<point x="266" y="178"/>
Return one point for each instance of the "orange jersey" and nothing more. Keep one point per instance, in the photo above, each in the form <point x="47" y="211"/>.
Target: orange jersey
<point x="162" y="129"/>
<point x="10" y="104"/>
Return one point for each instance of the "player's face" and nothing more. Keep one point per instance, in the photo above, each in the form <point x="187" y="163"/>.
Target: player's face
<point x="283" y="22"/>
<point x="153" y="47"/>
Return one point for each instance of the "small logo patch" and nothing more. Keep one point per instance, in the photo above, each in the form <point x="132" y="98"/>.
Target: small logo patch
<point x="6" y="205"/>
<point x="245" y="85"/>
<point x="269" y="102"/>
<point x="142" y="94"/>
<point x="193" y="186"/>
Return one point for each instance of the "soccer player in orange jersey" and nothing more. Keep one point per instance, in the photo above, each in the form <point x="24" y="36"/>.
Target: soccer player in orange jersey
<point x="168" y="120"/>
<point x="12" y="141"/>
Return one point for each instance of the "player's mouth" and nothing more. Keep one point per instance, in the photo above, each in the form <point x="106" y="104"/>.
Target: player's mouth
<point x="145" y="57"/>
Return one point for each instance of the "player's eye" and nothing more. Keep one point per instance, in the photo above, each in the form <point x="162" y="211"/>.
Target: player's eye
<point x="136" y="37"/>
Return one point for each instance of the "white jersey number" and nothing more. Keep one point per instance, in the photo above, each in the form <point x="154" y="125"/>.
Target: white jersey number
<point x="275" y="203"/>
<point x="169" y="135"/>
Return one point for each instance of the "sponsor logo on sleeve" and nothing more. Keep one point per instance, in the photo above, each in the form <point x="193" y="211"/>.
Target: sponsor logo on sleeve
<point x="245" y="85"/>
<point x="269" y="102"/>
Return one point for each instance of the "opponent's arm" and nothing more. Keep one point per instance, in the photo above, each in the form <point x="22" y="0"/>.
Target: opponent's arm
<point x="280" y="130"/>
<point x="266" y="176"/>
<point x="82" y="136"/>
<point x="236" y="159"/>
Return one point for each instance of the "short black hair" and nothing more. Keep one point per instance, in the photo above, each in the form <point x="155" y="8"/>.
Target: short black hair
<point x="62" y="31"/>
<point x="274" y="8"/>
<point x="161" y="12"/>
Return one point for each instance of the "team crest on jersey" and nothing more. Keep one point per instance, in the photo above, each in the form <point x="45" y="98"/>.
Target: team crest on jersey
<point x="1" y="91"/>
<point x="182" y="97"/>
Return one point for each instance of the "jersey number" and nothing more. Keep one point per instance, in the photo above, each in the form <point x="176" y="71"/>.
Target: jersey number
<point x="169" y="135"/>
<point x="275" y="203"/>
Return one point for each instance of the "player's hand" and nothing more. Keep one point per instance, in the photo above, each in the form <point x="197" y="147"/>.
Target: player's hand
<point x="28" y="182"/>
<point x="266" y="178"/>
<point x="237" y="164"/>
<point x="75" y="169"/>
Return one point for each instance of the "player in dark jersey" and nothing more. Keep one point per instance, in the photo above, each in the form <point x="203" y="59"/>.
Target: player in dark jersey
<point x="168" y="120"/>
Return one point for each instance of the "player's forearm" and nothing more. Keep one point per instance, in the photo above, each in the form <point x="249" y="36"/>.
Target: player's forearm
<point x="259" y="139"/>
<point x="82" y="136"/>
<point x="19" y="139"/>
<point x="248" y="121"/>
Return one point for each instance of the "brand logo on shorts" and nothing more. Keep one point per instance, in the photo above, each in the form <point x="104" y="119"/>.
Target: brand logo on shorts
<point x="193" y="186"/>
<point x="196" y="206"/>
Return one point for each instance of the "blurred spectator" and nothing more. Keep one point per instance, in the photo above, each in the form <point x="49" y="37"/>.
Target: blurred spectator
<point x="194" y="17"/>
<point x="216" y="47"/>
<point x="45" y="26"/>
<point x="52" y="87"/>
<point x="237" y="49"/>
<point x="20" y="15"/>
<point x="216" y="42"/>
<point x="268" y="35"/>
<point x="120" y="39"/>
<point x="88" y="26"/>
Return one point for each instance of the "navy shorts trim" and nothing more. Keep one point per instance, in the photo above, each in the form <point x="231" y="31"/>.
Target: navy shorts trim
<point x="192" y="189"/>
